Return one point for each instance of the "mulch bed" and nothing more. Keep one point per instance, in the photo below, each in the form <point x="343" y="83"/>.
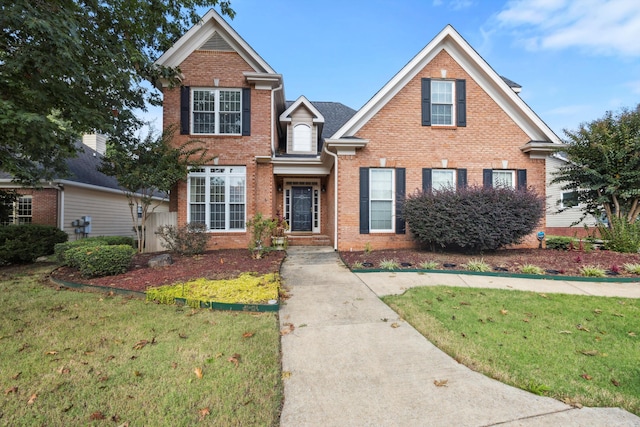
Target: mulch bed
<point x="507" y="260"/>
<point x="218" y="264"/>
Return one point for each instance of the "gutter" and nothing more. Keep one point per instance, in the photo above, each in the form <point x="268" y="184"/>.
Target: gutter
<point x="335" y="195"/>
<point x="274" y="122"/>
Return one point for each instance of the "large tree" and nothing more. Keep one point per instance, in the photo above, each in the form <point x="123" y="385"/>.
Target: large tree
<point x="69" y="67"/>
<point x="604" y="166"/>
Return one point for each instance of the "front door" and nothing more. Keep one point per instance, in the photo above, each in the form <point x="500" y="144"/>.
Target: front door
<point x="301" y="203"/>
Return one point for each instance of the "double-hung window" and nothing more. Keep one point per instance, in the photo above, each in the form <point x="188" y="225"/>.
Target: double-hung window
<point x="504" y="179"/>
<point x="216" y="111"/>
<point x="217" y="197"/>
<point x="21" y="211"/>
<point x="443" y="179"/>
<point x="381" y="192"/>
<point x="442" y="111"/>
<point x="568" y="199"/>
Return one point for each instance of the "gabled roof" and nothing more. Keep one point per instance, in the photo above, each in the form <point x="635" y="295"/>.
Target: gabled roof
<point x="452" y="42"/>
<point x="335" y="115"/>
<point x="213" y="33"/>
<point x="300" y="102"/>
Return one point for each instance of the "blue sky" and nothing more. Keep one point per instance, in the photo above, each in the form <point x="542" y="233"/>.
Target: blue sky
<point x="576" y="59"/>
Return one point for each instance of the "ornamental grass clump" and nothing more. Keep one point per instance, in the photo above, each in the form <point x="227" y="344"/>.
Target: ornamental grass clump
<point x="429" y="265"/>
<point x="389" y="264"/>
<point x="248" y="288"/>
<point x="632" y="268"/>
<point x="477" y="265"/>
<point x="592" y="271"/>
<point x="531" y="269"/>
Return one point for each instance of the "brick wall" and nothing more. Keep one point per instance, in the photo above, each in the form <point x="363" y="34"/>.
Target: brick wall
<point x="396" y="134"/>
<point x="199" y="70"/>
<point x="44" y="205"/>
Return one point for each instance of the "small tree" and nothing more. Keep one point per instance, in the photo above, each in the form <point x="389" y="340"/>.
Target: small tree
<point x="604" y="167"/>
<point x="147" y="169"/>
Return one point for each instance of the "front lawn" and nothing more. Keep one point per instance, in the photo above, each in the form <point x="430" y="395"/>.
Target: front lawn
<point x="72" y="358"/>
<point x="578" y="349"/>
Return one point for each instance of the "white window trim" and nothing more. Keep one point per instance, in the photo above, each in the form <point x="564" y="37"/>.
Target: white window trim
<point x="453" y="102"/>
<point x="453" y="175"/>
<point x="513" y="177"/>
<point x="207" y="174"/>
<point x="216" y="112"/>
<point x="562" y="205"/>
<point x="393" y="201"/>
<point x="15" y="216"/>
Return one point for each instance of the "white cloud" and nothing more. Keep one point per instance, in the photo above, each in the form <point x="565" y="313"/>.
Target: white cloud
<point x="610" y="27"/>
<point x="455" y="4"/>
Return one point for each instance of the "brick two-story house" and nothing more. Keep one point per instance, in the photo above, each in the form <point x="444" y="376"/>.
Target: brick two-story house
<point x="340" y="176"/>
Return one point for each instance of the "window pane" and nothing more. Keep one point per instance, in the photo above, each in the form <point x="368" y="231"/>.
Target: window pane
<point x="441" y="114"/>
<point x="230" y="111"/>
<point x="569" y="199"/>
<point x="442" y="92"/>
<point x="381" y="184"/>
<point x="204" y="123"/>
<point x="197" y="213"/>
<point x="381" y="215"/>
<point x="204" y="111"/>
<point x="503" y="179"/>
<point x="217" y="190"/>
<point x="197" y="190"/>
<point x="442" y="179"/>
<point x="236" y="190"/>
<point x="217" y="219"/>
<point x="236" y="216"/>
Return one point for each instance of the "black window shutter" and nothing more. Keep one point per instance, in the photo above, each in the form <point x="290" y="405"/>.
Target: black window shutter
<point x="487" y="178"/>
<point x="185" y="107"/>
<point x="461" y="182"/>
<point x="426" y="180"/>
<point x="364" y="200"/>
<point x="426" y="102"/>
<point x="522" y="179"/>
<point x="461" y="102"/>
<point x="246" y="111"/>
<point x="401" y="225"/>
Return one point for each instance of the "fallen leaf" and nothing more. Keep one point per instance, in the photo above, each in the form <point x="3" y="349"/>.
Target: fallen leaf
<point x="589" y="352"/>
<point x="97" y="416"/>
<point x="63" y="370"/>
<point x="13" y="389"/>
<point x="16" y="376"/>
<point x="204" y="412"/>
<point x="290" y="328"/>
<point x="140" y="344"/>
<point x="572" y="402"/>
<point x="587" y="377"/>
<point x="440" y="383"/>
<point x="235" y="359"/>
<point x="183" y="336"/>
<point x="51" y="352"/>
<point x="543" y="295"/>
<point x="565" y="332"/>
<point x="137" y="373"/>
<point x="526" y="320"/>
<point x="504" y="312"/>
<point x="110" y="358"/>
<point x="247" y="334"/>
<point x="632" y="334"/>
<point x="32" y="399"/>
<point x="395" y="325"/>
<point x="618" y="315"/>
<point x="582" y="328"/>
<point x="198" y="372"/>
<point x="286" y="374"/>
<point x="615" y="383"/>
<point x="597" y="311"/>
<point x="464" y="303"/>
<point x="174" y="365"/>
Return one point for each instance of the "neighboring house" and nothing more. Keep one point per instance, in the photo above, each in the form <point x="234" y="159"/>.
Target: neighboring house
<point x="338" y="176"/>
<point x="86" y="192"/>
<point x="563" y="210"/>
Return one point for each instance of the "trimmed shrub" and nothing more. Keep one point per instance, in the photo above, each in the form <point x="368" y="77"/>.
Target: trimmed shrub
<point x="190" y="239"/>
<point x="61" y="248"/>
<point x="560" y="243"/>
<point x="100" y="260"/>
<point x="622" y="237"/>
<point x="473" y="219"/>
<point x="25" y="243"/>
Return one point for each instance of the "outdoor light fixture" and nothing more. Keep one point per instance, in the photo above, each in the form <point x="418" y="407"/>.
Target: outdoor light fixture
<point x="279" y="188"/>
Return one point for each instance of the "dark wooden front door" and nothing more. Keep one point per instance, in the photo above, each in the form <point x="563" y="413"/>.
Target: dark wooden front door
<point x="301" y="208"/>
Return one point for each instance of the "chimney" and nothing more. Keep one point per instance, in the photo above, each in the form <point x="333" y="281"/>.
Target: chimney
<point x="96" y="142"/>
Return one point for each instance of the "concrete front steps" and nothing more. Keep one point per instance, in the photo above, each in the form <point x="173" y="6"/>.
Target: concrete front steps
<point x="308" y="239"/>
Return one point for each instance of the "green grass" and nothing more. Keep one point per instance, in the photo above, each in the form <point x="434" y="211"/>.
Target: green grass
<point x="574" y="348"/>
<point x="72" y="358"/>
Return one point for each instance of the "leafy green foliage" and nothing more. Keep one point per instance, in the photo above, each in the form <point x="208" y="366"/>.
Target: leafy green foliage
<point x="100" y="260"/>
<point x="25" y="243"/>
<point x="478" y="265"/>
<point x="531" y="269"/>
<point x="260" y="228"/>
<point x="389" y="264"/>
<point x="147" y="169"/>
<point x="60" y="249"/>
<point x="69" y="67"/>
<point x="604" y="166"/>
<point x="632" y="268"/>
<point x="190" y="239"/>
<point x="592" y="271"/>
<point x="558" y="242"/>
<point x="622" y="236"/>
<point x="473" y="219"/>
<point x="429" y="265"/>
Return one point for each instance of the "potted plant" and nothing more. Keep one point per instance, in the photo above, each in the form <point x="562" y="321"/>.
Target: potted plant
<point x="278" y="239"/>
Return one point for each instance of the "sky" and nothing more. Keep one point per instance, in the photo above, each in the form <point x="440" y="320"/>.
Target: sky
<point x="575" y="59"/>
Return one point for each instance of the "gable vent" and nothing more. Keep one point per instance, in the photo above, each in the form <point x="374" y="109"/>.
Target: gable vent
<point x="216" y="42"/>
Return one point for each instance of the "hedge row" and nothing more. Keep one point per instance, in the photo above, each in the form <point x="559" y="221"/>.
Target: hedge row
<point x="21" y="244"/>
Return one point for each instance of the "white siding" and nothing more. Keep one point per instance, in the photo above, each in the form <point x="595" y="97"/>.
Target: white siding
<point x="554" y="191"/>
<point x="301" y="115"/>
<point x="109" y="211"/>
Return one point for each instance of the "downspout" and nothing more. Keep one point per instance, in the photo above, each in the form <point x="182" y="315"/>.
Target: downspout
<point x="335" y="195"/>
<point x="274" y="122"/>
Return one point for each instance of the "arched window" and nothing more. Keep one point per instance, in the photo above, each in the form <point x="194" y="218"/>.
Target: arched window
<point x="302" y="138"/>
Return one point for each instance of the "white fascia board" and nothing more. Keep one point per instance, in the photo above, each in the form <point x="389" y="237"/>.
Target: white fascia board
<point x="477" y="68"/>
<point x="302" y="100"/>
<point x="292" y="166"/>
<point x="197" y="35"/>
<point x="263" y="81"/>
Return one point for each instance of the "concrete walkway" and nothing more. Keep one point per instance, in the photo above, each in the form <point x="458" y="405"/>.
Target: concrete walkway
<point x="345" y="365"/>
